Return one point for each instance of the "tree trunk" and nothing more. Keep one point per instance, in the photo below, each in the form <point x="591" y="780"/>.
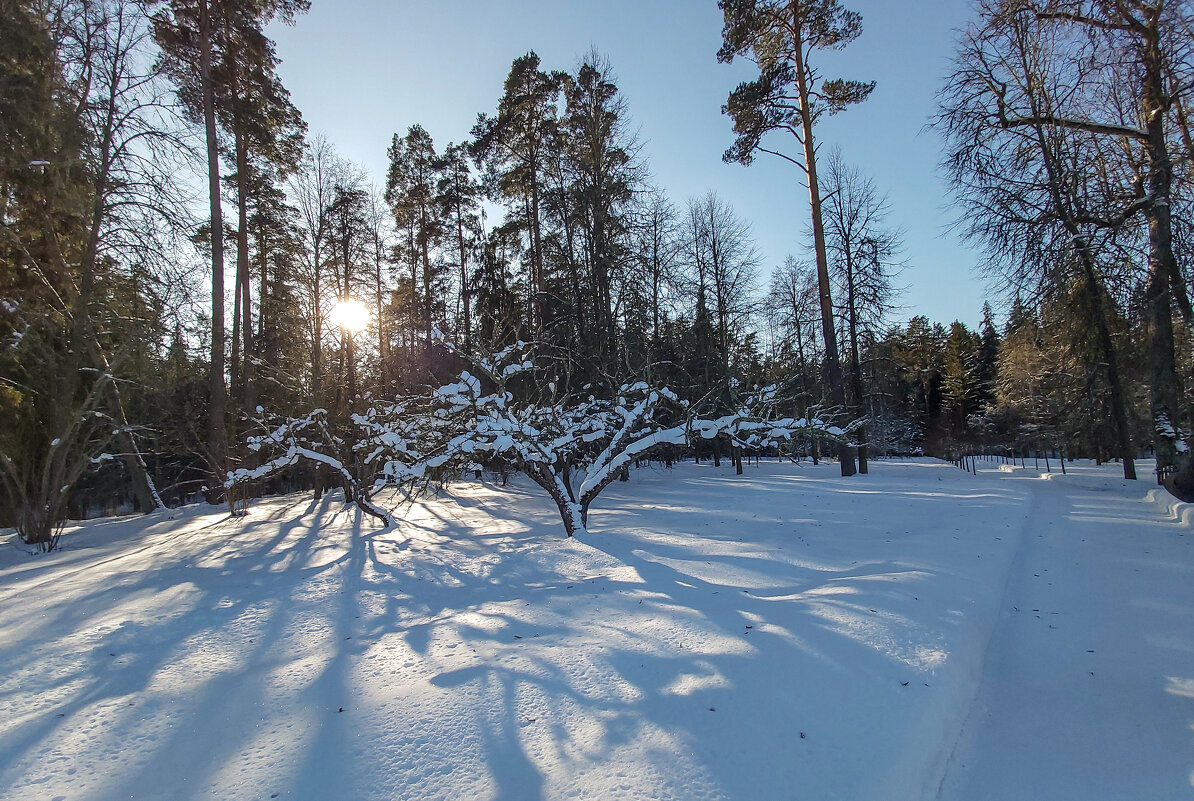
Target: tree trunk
<point x="383" y="345"/>
<point x="317" y="333"/>
<point x="833" y="367"/>
<point x="143" y="487"/>
<point x="1119" y="407"/>
<point x="217" y="437"/>
<point x="466" y="314"/>
<point x="248" y="388"/>
<point x="855" y="364"/>
<point x="427" y="299"/>
<point x="537" y="256"/>
<point x="1169" y="414"/>
<point x="572" y="514"/>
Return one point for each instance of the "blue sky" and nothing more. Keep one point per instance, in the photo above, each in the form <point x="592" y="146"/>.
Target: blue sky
<point x="361" y="70"/>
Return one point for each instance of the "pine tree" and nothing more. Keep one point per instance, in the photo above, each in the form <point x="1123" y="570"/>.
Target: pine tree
<point x="986" y="361"/>
<point x="459" y="196"/>
<point x="789" y="95"/>
<point x="215" y="52"/>
<point x="960" y="380"/>
<point x="515" y="143"/>
<point x="412" y="190"/>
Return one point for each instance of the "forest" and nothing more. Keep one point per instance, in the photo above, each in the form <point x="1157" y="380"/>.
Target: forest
<point x="200" y="299"/>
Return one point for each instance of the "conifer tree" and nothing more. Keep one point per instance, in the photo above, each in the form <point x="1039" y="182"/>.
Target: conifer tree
<point x="266" y="135"/>
<point x="459" y="196"/>
<point x="986" y="361"/>
<point x="206" y="47"/>
<point x="349" y="234"/>
<point x="412" y="190"/>
<point x="186" y="33"/>
<point x="790" y="96"/>
<point x="515" y="143"/>
<point x="960" y="380"/>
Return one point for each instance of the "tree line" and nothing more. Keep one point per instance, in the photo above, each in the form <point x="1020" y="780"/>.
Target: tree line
<point x="181" y="259"/>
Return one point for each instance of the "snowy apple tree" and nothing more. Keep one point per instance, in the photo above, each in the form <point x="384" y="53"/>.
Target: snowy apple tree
<point x="381" y="451"/>
<point x="572" y="448"/>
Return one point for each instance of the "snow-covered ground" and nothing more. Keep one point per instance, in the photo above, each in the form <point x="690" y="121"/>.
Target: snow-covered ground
<point x="919" y="633"/>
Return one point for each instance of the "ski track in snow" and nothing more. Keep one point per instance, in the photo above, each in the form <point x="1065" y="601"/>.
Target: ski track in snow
<point x="919" y="633"/>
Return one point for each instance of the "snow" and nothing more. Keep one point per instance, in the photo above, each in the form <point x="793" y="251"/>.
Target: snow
<point x="918" y="633"/>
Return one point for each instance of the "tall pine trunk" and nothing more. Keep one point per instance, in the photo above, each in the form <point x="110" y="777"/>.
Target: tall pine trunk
<point x="833" y="365"/>
<point x="248" y="392"/>
<point x="217" y="435"/>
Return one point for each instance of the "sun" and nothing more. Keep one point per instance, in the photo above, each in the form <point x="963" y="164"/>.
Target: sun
<point x="351" y="315"/>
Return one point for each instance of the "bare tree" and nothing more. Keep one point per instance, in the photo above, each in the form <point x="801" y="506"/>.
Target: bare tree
<point x="1058" y="119"/>
<point x="793" y="301"/>
<point x="863" y="255"/>
<point x="655" y="274"/>
<point x="723" y="263"/>
<point x="313" y="187"/>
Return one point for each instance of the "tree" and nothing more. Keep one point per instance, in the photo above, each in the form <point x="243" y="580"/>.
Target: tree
<point x="412" y="192"/>
<point x="862" y="253"/>
<point x="206" y="46"/>
<point x="514" y="144"/>
<point x="186" y="34"/>
<point x="790" y="96"/>
<point x="918" y="352"/>
<point x="655" y="274"/>
<point x="793" y="301"/>
<point x="959" y="376"/>
<point x="84" y="195"/>
<point x="572" y="447"/>
<point x="349" y="236"/>
<point x="459" y="197"/>
<point x="1050" y="188"/>
<point x="281" y="338"/>
<point x="500" y="320"/>
<point x="986" y="361"/>
<point x="379" y="246"/>
<point x="723" y="264"/>
<point x="601" y="160"/>
<point x="267" y="135"/>
<point x="313" y="188"/>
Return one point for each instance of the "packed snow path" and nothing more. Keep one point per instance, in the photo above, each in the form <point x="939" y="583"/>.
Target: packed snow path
<point x="783" y="634"/>
<point x="1087" y="687"/>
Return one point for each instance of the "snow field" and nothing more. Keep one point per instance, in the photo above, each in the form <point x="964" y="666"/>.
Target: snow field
<point x="783" y="634"/>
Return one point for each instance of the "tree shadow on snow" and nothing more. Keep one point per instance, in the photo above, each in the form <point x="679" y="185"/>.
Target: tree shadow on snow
<point x="301" y="652"/>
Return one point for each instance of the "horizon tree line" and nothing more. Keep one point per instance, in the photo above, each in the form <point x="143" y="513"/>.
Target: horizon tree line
<point x="1067" y="144"/>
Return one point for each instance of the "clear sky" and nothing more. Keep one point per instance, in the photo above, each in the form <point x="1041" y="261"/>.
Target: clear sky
<point x="361" y="70"/>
